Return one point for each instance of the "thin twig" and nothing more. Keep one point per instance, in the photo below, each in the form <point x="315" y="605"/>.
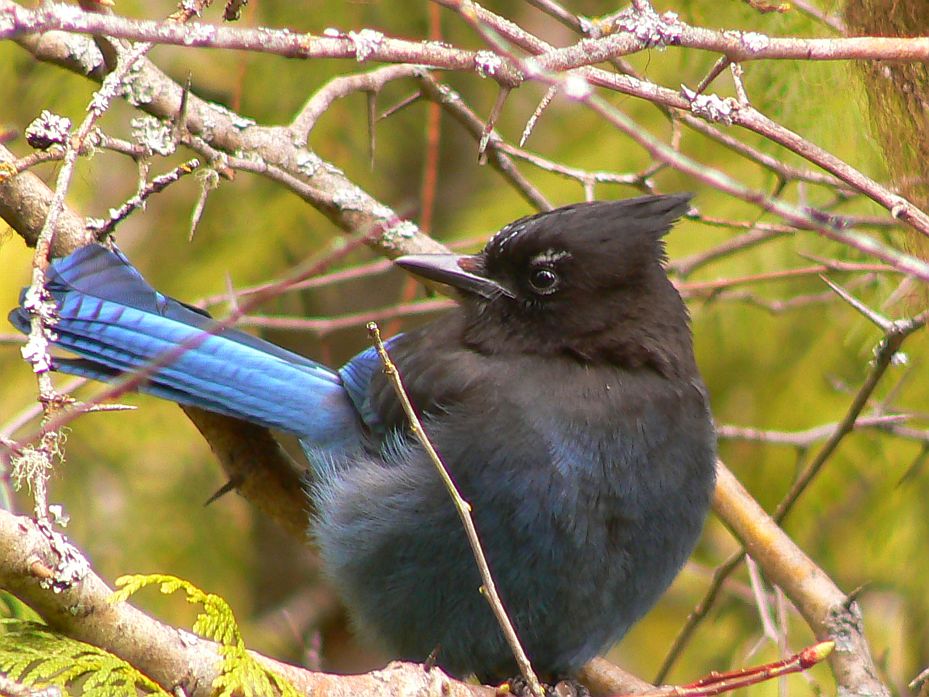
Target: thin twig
<point x="834" y="22"/>
<point x="156" y="185"/>
<point x="543" y="104"/>
<point x="463" y="508"/>
<point x="805" y="438"/>
<point x="888" y="347"/>
<point x="717" y="683"/>
<point x="38" y="301"/>
<point x="322" y="326"/>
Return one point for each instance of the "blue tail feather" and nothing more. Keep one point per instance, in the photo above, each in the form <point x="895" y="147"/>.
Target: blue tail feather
<point x="118" y="324"/>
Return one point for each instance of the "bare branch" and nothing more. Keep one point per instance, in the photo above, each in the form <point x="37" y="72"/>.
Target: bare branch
<point x="372" y="46"/>
<point x="738" y="47"/>
<point x="827" y="610"/>
<point x="168" y="656"/>
<point x="817" y="598"/>
<point x="806" y="438"/>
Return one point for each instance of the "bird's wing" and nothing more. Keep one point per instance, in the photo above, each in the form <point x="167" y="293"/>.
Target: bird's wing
<point x="110" y="316"/>
<point x="357" y="376"/>
<point x="436" y="369"/>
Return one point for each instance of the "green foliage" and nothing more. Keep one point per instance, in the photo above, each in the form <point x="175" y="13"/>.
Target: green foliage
<point x="33" y="654"/>
<point x="240" y="674"/>
<point x="12" y="607"/>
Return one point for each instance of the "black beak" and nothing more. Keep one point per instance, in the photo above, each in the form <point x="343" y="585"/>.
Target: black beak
<point x="460" y="271"/>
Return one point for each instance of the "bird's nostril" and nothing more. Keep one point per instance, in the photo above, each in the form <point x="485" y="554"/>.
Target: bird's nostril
<point x="469" y="264"/>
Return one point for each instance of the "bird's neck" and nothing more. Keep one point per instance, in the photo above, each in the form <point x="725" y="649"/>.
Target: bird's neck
<point x="656" y="341"/>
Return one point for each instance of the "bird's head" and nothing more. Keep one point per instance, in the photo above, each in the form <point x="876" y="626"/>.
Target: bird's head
<point x="585" y="280"/>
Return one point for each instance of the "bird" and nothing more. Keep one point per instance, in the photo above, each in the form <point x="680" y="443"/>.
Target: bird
<point x="561" y="392"/>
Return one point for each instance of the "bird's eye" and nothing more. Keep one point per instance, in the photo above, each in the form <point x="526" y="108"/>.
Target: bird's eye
<point x="543" y="280"/>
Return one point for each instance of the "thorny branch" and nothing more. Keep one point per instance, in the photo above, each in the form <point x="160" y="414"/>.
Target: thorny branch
<point x="898" y="206"/>
<point x="579" y="84"/>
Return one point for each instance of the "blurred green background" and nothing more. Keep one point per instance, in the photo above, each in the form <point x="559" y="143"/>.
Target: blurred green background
<point x="135" y="483"/>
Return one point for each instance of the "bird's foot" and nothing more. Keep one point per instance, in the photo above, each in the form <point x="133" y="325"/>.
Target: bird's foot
<point x="568" y="687"/>
<point x="518" y="687"/>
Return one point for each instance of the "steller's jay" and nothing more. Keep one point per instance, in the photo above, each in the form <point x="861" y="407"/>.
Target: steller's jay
<point x="561" y="393"/>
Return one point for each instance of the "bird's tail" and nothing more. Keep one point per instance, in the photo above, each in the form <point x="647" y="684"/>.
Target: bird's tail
<point x="111" y="317"/>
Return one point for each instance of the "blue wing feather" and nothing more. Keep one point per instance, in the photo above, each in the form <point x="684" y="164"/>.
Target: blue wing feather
<point x="356" y="379"/>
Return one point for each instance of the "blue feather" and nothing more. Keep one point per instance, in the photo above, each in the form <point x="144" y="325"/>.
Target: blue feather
<point x="119" y="324"/>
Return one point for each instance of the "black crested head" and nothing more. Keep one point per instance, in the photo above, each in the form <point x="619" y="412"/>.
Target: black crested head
<point x="585" y="280"/>
<point x="594" y="244"/>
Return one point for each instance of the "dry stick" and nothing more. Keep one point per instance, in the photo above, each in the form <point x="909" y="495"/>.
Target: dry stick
<point x="805" y="438"/>
<point x="694" y="287"/>
<point x="56" y="153"/>
<point x="895" y="335"/>
<point x="497" y="157"/>
<point x="252" y="139"/>
<point x="776" y="166"/>
<point x="500" y="149"/>
<point x="341" y="87"/>
<point x="272" y="153"/>
<point x="463" y="508"/>
<point x="727" y="184"/>
<point x="588" y="27"/>
<point x="778" y="306"/>
<point x="155" y="186"/>
<point x="543" y="105"/>
<point x="286" y="43"/>
<point x="659" y="95"/>
<point x="350" y="273"/>
<point x="579" y="83"/>
<point x="323" y="326"/>
<point x="826" y="609"/>
<point x="919" y="435"/>
<point x="834" y="22"/>
<point x="759" y="234"/>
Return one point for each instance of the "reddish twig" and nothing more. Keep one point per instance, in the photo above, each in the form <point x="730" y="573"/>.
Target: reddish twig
<point x="717" y="683"/>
